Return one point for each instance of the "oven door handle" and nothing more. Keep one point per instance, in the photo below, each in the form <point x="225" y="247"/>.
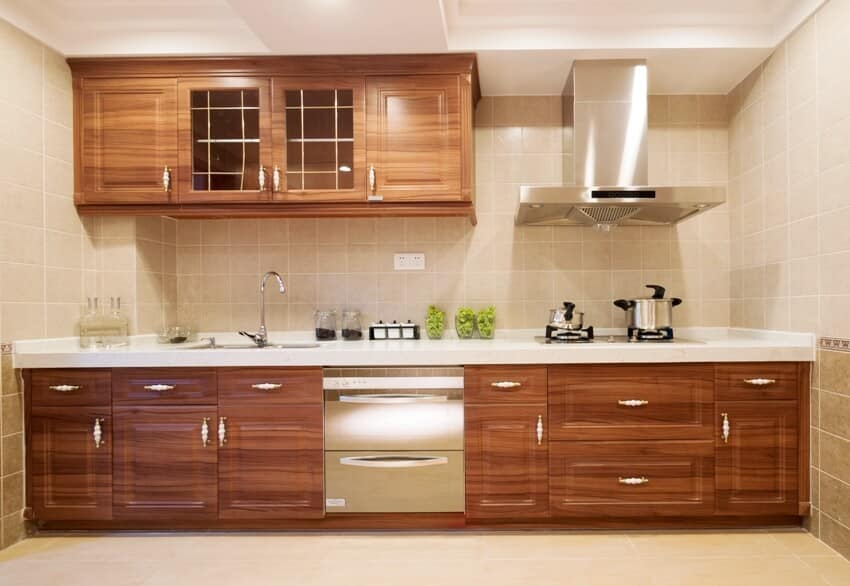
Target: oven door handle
<point x="391" y="398"/>
<point x="393" y="461"/>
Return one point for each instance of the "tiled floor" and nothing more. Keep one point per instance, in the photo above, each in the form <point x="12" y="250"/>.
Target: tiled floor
<point x="495" y="559"/>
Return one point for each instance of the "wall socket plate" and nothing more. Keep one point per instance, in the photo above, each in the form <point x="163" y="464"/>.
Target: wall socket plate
<point x="409" y="261"/>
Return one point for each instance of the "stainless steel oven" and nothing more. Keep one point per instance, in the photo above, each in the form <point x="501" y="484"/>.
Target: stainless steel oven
<point x="394" y="440"/>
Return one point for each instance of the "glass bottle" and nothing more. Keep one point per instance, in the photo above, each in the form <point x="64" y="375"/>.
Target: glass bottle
<point x="352" y="329"/>
<point x="325" y="324"/>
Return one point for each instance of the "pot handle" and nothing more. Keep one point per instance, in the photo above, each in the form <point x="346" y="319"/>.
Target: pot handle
<point x="569" y="307"/>
<point x="676" y="301"/>
<point x="624" y="304"/>
<point x="658" y="291"/>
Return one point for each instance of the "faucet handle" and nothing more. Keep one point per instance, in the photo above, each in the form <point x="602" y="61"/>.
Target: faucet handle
<point x="210" y="340"/>
<point x="257" y="338"/>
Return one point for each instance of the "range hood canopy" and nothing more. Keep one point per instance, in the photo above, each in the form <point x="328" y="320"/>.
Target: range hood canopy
<point x="605" y="131"/>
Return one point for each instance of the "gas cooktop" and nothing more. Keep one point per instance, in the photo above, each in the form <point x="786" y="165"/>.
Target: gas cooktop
<point x="603" y="339"/>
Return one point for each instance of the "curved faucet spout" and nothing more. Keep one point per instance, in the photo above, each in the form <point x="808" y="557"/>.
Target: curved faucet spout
<point x="261" y="337"/>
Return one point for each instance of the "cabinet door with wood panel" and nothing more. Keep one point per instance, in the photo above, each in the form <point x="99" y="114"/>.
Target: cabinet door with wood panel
<point x="507" y="462"/>
<point x="270" y="462"/>
<point x="126" y="141"/>
<point x="319" y="131"/>
<point x="757" y="457"/>
<point x="71" y="463"/>
<point x="225" y="139"/>
<point x="165" y="463"/>
<point x="414" y="138"/>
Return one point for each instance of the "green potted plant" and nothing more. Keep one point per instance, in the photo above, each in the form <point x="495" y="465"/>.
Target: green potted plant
<point x="465" y="322"/>
<point x="486" y="322"/>
<point x="435" y="322"/>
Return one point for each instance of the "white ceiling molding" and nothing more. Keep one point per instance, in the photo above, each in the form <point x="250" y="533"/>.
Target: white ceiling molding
<point x="524" y="46"/>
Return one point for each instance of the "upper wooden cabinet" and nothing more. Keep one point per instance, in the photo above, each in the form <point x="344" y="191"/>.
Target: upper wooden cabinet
<point x="276" y="136"/>
<point x="414" y="138"/>
<point x="126" y="141"/>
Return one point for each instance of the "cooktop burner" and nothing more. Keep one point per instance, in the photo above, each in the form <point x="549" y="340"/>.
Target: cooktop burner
<point x="563" y="336"/>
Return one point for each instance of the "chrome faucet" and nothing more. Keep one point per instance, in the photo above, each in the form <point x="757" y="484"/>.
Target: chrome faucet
<point x="261" y="338"/>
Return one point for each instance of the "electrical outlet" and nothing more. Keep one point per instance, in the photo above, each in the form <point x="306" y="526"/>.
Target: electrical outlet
<point x="409" y="261"/>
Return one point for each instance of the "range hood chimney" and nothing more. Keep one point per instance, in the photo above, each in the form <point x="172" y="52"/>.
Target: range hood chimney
<point x="605" y="130"/>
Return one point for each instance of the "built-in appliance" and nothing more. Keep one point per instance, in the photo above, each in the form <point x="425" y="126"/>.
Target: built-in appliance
<point x="637" y="337"/>
<point x="606" y="131"/>
<point x="394" y="440"/>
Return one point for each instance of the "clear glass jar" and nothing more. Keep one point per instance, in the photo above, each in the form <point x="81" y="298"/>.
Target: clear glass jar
<point x="352" y="329"/>
<point x="325" y="324"/>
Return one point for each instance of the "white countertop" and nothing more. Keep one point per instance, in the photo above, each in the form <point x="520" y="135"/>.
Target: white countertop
<point x="509" y="347"/>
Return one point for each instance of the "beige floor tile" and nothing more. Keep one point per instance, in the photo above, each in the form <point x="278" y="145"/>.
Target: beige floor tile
<point x="763" y="571"/>
<point x="21" y="572"/>
<point x="835" y="570"/>
<point x="707" y="544"/>
<point x="557" y="546"/>
<point x="802" y="543"/>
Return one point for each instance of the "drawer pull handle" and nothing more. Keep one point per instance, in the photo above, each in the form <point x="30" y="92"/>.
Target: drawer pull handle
<point x="632" y="402"/>
<point x="159" y="388"/>
<point x="276" y="179"/>
<point x="166" y="179"/>
<point x="222" y="431"/>
<point x="726" y="428"/>
<point x="205" y="432"/>
<point x="633" y="480"/>
<point x="760" y="382"/>
<point x="65" y="388"/>
<point x="539" y="430"/>
<point x="505" y="384"/>
<point x="392" y="461"/>
<point x="97" y="432"/>
<point x="266" y="386"/>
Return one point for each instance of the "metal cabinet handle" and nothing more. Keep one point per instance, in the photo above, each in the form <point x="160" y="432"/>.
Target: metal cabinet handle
<point x="632" y="402"/>
<point x="261" y="178"/>
<point x="159" y="387"/>
<point x="64" y="388"/>
<point x="266" y="386"/>
<point x="276" y="178"/>
<point x="97" y="432"/>
<point x="539" y="430"/>
<point x="391" y="398"/>
<point x="726" y="428"/>
<point x="373" y="179"/>
<point x="222" y="431"/>
<point x="205" y="432"/>
<point x="760" y="382"/>
<point x="166" y="179"/>
<point x="633" y="480"/>
<point x="505" y="384"/>
<point x="393" y="461"/>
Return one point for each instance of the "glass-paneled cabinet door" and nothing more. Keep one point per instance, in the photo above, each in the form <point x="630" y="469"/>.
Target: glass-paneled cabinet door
<point x="319" y="139"/>
<point x="225" y="140"/>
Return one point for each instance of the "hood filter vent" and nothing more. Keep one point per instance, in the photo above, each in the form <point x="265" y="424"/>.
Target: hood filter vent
<point x="608" y="214"/>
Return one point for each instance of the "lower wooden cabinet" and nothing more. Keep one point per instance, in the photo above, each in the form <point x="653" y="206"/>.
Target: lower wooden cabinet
<point x="507" y="462"/>
<point x="631" y="479"/>
<point x="757" y="457"/>
<point x="165" y="463"/>
<point x="271" y="462"/>
<point x="70" y="467"/>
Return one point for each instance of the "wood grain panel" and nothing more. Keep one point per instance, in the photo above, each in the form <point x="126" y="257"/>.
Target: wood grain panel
<point x="507" y="472"/>
<point x="190" y="386"/>
<point x="586" y="478"/>
<point x="94" y="387"/>
<point x="757" y="469"/>
<point x="732" y="385"/>
<point x="129" y="136"/>
<point x="71" y="477"/>
<point x="298" y="386"/>
<point x="584" y="402"/>
<point x="484" y="384"/>
<point x="271" y="466"/>
<point x="161" y="469"/>
<point x="413" y="137"/>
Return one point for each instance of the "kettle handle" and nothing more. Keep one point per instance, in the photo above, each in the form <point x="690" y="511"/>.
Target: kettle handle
<point x="569" y="307"/>
<point x="657" y="291"/>
<point x="676" y="301"/>
<point x="624" y="304"/>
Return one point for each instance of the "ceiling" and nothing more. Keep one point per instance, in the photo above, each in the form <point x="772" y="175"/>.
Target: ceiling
<point x="524" y="46"/>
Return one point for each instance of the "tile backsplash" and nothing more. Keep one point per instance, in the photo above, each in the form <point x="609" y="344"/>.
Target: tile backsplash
<point x="524" y="271"/>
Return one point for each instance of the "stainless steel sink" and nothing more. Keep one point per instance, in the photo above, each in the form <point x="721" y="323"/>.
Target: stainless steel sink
<point x="271" y="346"/>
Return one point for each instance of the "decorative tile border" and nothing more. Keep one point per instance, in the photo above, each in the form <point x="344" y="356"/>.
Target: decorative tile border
<point x="5" y="348"/>
<point x="836" y="344"/>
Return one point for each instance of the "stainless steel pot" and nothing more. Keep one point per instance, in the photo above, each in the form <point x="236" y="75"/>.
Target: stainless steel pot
<point x="566" y="317"/>
<point x="649" y="313"/>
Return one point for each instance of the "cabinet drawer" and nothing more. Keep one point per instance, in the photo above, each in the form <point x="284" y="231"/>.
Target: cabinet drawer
<point x="270" y="386"/>
<point x="631" y="402"/>
<point x="164" y="386"/>
<point x="591" y="479"/>
<point x="58" y="387"/>
<point x="757" y="380"/>
<point x="505" y="384"/>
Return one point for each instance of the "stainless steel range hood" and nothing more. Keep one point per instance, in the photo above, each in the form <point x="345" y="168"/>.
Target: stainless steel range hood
<point x="605" y="132"/>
